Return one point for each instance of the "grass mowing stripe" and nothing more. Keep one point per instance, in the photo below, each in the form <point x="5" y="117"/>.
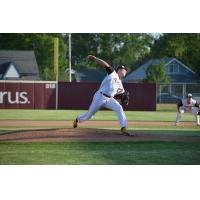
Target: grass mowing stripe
<point x="100" y="153"/>
<point x="12" y="114"/>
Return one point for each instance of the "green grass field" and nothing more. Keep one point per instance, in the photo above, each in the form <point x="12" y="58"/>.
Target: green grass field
<point x="98" y="153"/>
<point x="164" y="113"/>
<point x="107" y="153"/>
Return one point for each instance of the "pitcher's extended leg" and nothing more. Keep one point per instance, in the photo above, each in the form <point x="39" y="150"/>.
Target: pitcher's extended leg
<point x="94" y="107"/>
<point x="195" y="112"/>
<point x="114" y="105"/>
<point x="178" y="116"/>
<point x="96" y="104"/>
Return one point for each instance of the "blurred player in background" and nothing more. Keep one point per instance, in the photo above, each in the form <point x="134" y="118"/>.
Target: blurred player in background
<point x="188" y="105"/>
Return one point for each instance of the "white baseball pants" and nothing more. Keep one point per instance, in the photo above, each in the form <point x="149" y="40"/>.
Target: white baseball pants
<point x="194" y="111"/>
<point x="99" y="101"/>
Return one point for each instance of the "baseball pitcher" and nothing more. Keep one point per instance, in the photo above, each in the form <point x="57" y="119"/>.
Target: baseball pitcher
<point x="188" y="105"/>
<point x="110" y="94"/>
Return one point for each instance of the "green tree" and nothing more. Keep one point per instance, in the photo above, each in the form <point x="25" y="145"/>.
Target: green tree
<point x="128" y="48"/>
<point x="156" y="73"/>
<point x="42" y="45"/>
<point x="183" y="46"/>
<point x="82" y="45"/>
<point x="115" y="48"/>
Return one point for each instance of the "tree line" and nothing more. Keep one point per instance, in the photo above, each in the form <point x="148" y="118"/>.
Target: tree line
<point x="131" y="49"/>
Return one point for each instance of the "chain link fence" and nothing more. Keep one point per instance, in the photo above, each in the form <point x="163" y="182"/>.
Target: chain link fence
<point x="172" y="93"/>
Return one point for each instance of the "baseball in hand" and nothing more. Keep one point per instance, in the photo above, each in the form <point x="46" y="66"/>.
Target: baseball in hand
<point x="90" y="58"/>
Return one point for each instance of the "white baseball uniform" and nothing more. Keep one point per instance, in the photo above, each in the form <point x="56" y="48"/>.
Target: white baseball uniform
<point x="110" y="86"/>
<point x="184" y="106"/>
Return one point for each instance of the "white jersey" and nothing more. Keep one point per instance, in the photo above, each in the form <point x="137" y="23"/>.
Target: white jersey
<point x="111" y="85"/>
<point x="188" y="106"/>
<point x="185" y="106"/>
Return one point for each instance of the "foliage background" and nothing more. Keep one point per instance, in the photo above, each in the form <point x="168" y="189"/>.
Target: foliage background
<point x="131" y="49"/>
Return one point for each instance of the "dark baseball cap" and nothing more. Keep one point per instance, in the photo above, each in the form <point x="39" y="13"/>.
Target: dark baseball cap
<point x="121" y="67"/>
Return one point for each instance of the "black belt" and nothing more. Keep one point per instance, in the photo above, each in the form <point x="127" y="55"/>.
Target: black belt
<point x="105" y="95"/>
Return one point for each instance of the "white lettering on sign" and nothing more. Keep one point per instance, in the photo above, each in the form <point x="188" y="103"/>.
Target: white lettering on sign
<point x="14" y="98"/>
<point x="50" y="86"/>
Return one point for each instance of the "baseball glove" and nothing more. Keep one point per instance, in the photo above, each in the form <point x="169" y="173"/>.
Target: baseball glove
<point x="125" y="98"/>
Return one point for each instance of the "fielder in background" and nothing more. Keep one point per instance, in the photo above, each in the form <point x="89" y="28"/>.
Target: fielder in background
<point x="110" y="90"/>
<point x="188" y="105"/>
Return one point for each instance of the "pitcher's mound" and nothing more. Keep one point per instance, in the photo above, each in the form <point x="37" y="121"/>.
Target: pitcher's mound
<point x="88" y="135"/>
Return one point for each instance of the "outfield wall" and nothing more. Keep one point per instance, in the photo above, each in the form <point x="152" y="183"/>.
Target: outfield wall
<point x="28" y="94"/>
<point x="65" y="95"/>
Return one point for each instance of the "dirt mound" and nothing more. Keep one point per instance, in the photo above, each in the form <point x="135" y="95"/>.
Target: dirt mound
<point x="87" y="135"/>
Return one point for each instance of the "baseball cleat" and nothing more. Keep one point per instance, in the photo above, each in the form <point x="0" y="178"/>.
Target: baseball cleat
<point x="198" y="124"/>
<point x="125" y="132"/>
<point x="75" y="123"/>
<point x="176" y="123"/>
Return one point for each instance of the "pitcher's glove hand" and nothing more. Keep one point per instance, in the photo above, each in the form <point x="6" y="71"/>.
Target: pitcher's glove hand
<point x="125" y="98"/>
